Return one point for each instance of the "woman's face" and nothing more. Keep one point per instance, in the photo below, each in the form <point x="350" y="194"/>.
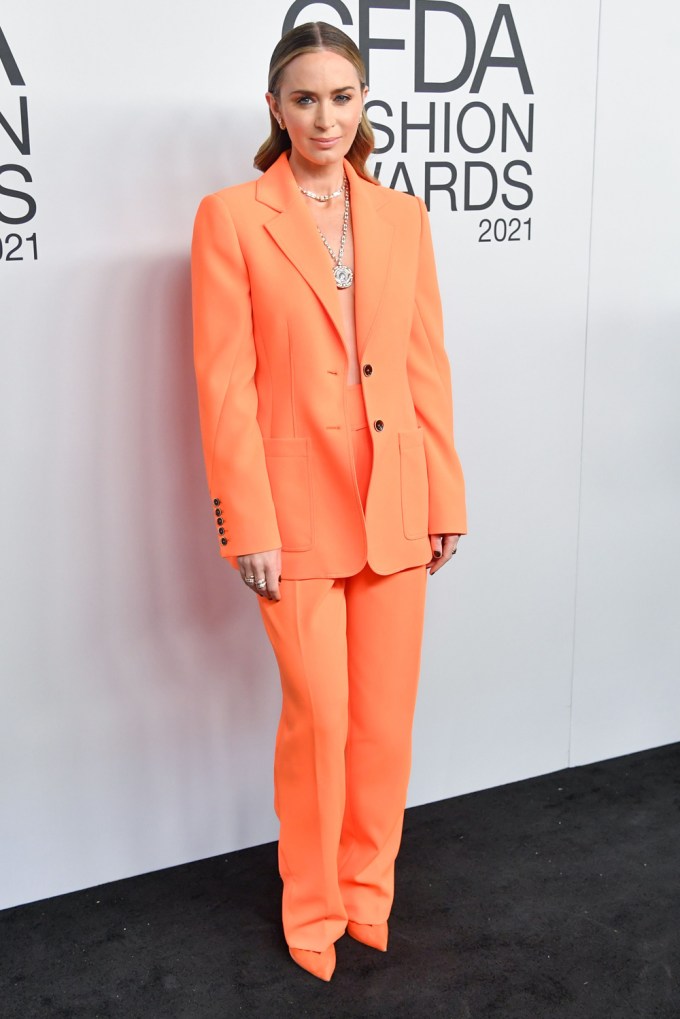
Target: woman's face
<point x="320" y="103"/>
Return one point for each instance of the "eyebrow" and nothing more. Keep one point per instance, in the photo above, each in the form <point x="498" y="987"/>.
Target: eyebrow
<point x="307" y="92"/>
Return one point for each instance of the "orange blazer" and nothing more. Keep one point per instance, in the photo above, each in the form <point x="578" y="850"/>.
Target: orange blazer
<point x="271" y="374"/>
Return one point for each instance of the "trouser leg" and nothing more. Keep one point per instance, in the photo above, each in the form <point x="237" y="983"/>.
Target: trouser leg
<point x="307" y="629"/>
<point x="348" y="652"/>
<point x="384" y="637"/>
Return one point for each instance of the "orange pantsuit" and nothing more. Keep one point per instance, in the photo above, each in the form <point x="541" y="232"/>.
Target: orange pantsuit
<point x="348" y="651"/>
<point x="349" y="481"/>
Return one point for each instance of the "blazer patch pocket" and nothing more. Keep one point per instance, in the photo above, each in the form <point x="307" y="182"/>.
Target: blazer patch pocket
<point x="289" y="477"/>
<point x="414" y="484"/>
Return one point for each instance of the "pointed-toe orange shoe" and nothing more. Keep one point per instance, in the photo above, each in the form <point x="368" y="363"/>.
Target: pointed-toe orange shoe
<point x="372" y="934"/>
<point x="319" y="964"/>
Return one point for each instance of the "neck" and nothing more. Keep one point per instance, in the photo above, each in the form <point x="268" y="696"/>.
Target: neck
<point x="320" y="179"/>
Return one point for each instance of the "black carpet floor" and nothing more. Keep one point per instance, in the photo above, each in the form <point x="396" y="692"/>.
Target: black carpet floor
<point x="554" y="897"/>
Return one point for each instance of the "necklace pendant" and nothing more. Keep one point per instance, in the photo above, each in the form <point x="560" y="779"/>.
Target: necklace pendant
<point x="344" y="276"/>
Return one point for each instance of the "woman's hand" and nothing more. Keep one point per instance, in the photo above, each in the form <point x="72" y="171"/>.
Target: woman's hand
<point x="443" y="547"/>
<point x="262" y="566"/>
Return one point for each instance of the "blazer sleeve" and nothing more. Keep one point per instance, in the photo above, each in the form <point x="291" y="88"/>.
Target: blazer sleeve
<point x="430" y="383"/>
<point x="225" y="362"/>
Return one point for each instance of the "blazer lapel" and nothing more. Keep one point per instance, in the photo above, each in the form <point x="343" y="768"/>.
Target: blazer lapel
<point x="294" y="232"/>
<point x="373" y="239"/>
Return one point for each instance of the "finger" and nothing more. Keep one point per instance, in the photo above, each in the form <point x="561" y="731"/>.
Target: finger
<point x="449" y="545"/>
<point x="247" y="572"/>
<point x="442" y="550"/>
<point x="436" y="545"/>
<point x="436" y="564"/>
<point x="273" y="577"/>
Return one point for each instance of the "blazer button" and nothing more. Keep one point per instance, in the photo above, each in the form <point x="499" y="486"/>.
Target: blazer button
<point x="368" y="369"/>
<point x="220" y="520"/>
<point x="218" y="512"/>
<point x="224" y="541"/>
<point x="378" y="425"/>
<point x="220" y="530"/>
<point x="216" y="502"/>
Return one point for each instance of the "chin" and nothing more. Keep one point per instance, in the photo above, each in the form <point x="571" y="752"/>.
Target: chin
<point x="326" y="157"/>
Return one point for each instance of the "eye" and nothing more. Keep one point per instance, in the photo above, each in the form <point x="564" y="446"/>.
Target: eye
<point x="343" y="98"/>
<point x="303" y="101"/>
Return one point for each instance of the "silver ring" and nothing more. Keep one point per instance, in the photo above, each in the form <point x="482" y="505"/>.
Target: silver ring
<point x="250" y="580"/>
<point x="261" y="583"/>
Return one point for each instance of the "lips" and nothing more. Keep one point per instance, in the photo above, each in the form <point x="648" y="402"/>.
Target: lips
<point x="325" y="142"/>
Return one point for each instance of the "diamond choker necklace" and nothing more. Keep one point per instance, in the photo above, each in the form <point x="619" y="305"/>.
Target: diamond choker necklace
<point x="321" y="198"/>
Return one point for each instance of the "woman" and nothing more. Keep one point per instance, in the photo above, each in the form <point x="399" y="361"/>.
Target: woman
<point x="327" y="424"/>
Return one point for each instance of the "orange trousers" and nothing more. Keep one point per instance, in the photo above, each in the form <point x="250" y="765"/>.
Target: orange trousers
<point x="348" y="652"/>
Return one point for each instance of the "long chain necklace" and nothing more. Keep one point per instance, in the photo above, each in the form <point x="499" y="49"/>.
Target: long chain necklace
<point x="342" y="273"/>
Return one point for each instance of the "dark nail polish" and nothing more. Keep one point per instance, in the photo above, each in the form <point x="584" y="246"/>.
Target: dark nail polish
<point x="437" y="555"/>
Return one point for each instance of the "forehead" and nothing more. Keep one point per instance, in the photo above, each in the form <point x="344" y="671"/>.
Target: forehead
<point x="320" y="70"/>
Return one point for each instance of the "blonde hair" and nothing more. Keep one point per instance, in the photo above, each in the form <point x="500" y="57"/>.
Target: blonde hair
<point x="310" y="38"/>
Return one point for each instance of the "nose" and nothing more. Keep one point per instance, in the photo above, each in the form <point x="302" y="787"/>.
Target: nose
<point x="325" y="117"/>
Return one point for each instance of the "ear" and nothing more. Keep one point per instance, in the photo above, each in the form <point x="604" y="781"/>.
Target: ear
<point x="273" y="105"/>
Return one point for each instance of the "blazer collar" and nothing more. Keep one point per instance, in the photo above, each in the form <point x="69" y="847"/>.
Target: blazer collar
<point x="294" y="231"/>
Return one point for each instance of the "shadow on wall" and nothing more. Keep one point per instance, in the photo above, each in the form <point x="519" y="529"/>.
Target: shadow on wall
<point x="176" y="641"/>
<point x="154" y="488"/>
<point x="144" y="694"/>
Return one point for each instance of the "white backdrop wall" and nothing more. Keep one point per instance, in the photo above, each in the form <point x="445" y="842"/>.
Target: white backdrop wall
<point x="626" y="687"/>
<point x="139" y="695"/>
